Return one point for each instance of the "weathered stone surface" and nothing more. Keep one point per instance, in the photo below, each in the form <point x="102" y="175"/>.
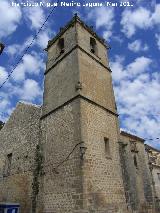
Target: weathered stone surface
<point x="154" y="164"/>
<point x="19" y="136"/>
<point x="62" y="187"/>
<point x="103" y="186"/>
<point x="137" y="176"/>
<point x="70" y="157"/>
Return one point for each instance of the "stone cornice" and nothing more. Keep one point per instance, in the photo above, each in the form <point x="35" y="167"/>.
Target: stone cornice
<point x="75" y="98"/>
<point x="67" y="53"/>
<point x="70" y="24"/>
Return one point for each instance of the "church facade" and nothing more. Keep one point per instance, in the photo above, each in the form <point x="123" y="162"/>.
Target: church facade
<point x="68" y="155"/>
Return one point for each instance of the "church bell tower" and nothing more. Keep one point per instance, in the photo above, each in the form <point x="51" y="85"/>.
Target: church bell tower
<point x="80" y="126"/>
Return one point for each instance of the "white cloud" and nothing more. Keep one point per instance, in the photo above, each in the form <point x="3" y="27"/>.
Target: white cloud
<point x="30" y="90"/>
<point x="4" y="106"/>
<point x="12" y="49"/>
<point x="31" y="64"/>
<point x="17" y="49"/>
<point x="137" y="46"/>
<point x="140" y="18"/>
<point x="3" y="74"/>
<point x="104" y="18"/>
<point x="118" y="69"/>
<point x="158" y="40"/>
<point x="138" y="66"/>
<point x="35" y="16"/>
<point x="131" y="20"/>
<point x="138" y="96"/>
<point x="10" y="18"/>
<point x="107" y="35"/>
<point x="121" y="72"/>
<point x="4" y="103"/>
<point x="19" y="73"/>
<point x="43" y="39"/>
<point x="118" y="39"/>
<point x="156" y="15"/>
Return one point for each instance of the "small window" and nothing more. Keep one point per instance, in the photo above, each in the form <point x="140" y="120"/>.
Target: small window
<point x="107" y="148"/>
<point x="158" y="174"/>
<point x="93" y="46"/>
<point x="8" y="164"/>
<point x="135" y="161"/>
<point x="133" y="146"/>
<point x="61" y="45"/>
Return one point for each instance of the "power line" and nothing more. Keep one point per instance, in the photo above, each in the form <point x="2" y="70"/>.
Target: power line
<point x="152" y="139"/>
<point x="26" y="50"/>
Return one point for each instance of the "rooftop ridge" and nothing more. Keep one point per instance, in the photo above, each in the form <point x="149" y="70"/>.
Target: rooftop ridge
<point x="28" y="103"/>
<point x="135" y="137"/>
<point x="151" y="147"/>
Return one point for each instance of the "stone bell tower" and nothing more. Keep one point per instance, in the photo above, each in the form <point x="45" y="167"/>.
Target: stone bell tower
<point x="80" y="126"/>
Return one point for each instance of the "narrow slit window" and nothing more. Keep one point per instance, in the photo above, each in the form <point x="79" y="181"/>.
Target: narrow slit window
<point x="158" y="174"/>
<point x="61" y="45"/>
<point x="135" y="161"/>
<point x="107" y="147"/>
<point x="93" y="46"/>
<point x="8" y="164"/>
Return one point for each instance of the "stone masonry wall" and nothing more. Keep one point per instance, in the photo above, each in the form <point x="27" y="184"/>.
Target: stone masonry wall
<point x="96" y="82"/>
<point x="137" y="176"/>
<point x="60" y="83"/>
<point x="69" y="42"/>
<point x="19" y="136"/>
<point x="103" y="185"/>
<point x="155" y="172"/>
<point x="84" y="42"/>
<point x="62" y="183"/>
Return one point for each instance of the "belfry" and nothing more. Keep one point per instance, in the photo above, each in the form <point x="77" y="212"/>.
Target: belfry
<point x="68" y="155"/>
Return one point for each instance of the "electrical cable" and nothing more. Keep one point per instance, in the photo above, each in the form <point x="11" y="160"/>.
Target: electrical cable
<point x="151" y="139"/>
<point x="51" y="164"/>
<point x="26" y="50"/>
<point x="62" y="162"/>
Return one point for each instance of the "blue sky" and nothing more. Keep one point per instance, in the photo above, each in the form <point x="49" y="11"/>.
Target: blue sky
<point x="133" y="34"/>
